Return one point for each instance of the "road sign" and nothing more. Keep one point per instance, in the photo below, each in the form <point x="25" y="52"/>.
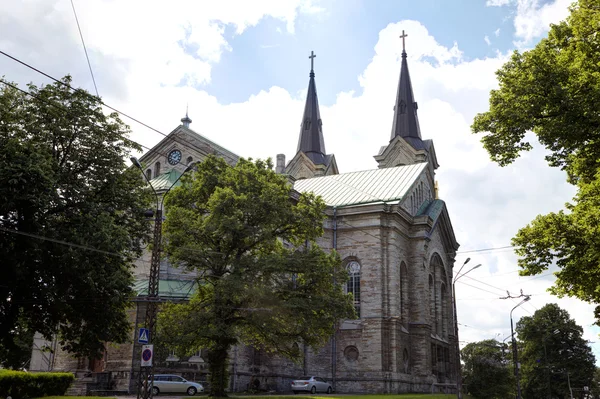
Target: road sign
<point x="147" y="354"/>
<point x="143" y="336"/>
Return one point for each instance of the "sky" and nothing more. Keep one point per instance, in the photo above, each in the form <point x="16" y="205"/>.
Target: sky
<point x="241" y="68"/>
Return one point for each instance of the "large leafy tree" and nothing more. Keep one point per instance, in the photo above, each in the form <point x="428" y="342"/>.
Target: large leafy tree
<point x="262" y="279"/>
<point x="71" y="221"/>
<point x="553" y="91"/>
<point x="487" y="370"/>
<point x="553" y="353"/>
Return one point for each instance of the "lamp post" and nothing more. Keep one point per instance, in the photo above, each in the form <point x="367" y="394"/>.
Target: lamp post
<point x="146" y="374"/>
<point x="514" y="346"/>
<point x="458" y="367"/>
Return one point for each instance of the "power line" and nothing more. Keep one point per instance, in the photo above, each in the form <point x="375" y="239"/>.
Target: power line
<point x="85" y="49"/>
<point x="63" y="108"/>
<point x="70" y="244"/>
<point x="181" y="140"/>
<point x="485" y="249"/>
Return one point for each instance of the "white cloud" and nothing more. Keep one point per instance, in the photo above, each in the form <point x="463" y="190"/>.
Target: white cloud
<point x="487" y="40"/>
<point x="497" y="3"/>
<point x="497" y="32"/>
<point x="533" y="18"/>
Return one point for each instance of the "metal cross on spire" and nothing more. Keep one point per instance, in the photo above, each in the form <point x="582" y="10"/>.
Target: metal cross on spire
<point x="403" y="36"/>
<point x="312" y="60"/>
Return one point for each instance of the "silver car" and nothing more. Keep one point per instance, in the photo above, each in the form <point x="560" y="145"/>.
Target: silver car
<point x="169" y="383"/>
<point x="311" y="384"/>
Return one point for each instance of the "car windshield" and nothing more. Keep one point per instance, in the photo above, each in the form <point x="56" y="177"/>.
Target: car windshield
<point x="304" y="378"/>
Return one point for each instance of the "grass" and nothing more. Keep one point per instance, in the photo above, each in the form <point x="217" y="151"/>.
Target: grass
<point x="78" y="397"/>
<point x="350" y="396"/>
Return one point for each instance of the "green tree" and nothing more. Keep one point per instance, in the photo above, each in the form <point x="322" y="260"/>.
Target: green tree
<point x="487" y="370"/>
<point x="262" y="278"/>
<point x="65" y="188"/>
<point x="553" y="91"/>
<point x="553" y="352"/>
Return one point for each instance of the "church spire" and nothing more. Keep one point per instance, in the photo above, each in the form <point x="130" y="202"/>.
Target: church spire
<point x="406" y="122"/>
<point x="311" y="141"/>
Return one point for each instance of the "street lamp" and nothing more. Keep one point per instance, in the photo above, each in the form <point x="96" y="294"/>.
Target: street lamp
<point x="146" y="374"/>
<point x="514" y="345"/>
<point x="458" y="367"/>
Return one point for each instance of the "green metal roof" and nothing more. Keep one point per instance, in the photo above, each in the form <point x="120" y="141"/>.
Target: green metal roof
<point x="431" y="208"/>
<point x="166" y="180"/>
<point x="354" y="188"/>
<point x="167" y="288"/>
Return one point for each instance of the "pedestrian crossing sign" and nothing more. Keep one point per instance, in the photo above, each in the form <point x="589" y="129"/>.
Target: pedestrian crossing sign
<point x="143" y="336"/>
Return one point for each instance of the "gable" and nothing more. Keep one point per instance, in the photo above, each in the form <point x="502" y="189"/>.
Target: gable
<point x="193" y="146"/>
<point x="437" y="212"/>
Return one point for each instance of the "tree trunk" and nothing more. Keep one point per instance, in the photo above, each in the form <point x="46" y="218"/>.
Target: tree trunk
<point x="219" y="371"/>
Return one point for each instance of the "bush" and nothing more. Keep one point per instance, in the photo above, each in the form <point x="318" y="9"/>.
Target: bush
<point x="22" y="385"/>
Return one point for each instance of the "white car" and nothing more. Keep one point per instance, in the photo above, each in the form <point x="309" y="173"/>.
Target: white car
<point x="311" y="384"/>
<point x="170" y="383"/>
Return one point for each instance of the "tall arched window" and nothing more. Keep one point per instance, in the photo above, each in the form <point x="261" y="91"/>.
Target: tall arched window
<point x="444" y="315"/>
<point x="353" y="284"/>
<point x="149" y="174"/>
<point x="432" y="315"/>
<point x="405" y="361"/>
<point x="440" y="298"/>
<point x="156" y="169"/>
<point x="404" y="315"/>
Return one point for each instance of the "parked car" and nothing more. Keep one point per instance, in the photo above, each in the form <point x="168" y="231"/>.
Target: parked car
<point x="311" y="384"/>
<point x="169" y="383"/>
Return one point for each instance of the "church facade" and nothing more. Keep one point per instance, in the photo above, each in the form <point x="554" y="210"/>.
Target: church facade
<point x="397" y="244"/>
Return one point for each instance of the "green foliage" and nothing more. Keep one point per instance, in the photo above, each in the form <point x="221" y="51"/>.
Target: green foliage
<point x="487" y="371"/>
<point x="63" y="179"/>
<point x="553" y="90"/>
<point x="552" y="346"/>
<point x="262" y="279"/>
<point x="19" y="384"/>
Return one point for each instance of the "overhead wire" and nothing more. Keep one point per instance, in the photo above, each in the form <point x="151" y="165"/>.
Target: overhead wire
<point x="85" y="49"/>
<point x="71" y="244"/>
<point x="181" y="140"/>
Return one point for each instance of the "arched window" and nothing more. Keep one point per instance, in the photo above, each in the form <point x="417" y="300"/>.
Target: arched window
<point x="353" y="284"/>
<point x="404" y="312"/>
<point x="443" y="299"/>
<point x="156" y="169"/>
<point x="440" y="297"/>
<point x="149" y="174"/>
<point x="189" y="160"/>
<point x="432" y="315"/>
<point x="405" y="361"/>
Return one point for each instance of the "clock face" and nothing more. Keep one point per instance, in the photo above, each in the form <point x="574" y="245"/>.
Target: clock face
<point x="174" y="157"/>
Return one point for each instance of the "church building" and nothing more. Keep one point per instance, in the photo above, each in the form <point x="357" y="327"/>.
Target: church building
<point x="397" y="244"/>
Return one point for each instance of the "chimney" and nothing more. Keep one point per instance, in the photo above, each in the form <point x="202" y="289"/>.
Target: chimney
<point x="280" y="167"/>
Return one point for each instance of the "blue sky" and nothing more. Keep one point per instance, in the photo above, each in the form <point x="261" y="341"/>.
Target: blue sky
<point x="347" y="30"/>
<point x="242" y="67"/>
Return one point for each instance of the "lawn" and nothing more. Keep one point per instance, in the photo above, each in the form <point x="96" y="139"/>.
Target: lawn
<point x="349" y="396"/>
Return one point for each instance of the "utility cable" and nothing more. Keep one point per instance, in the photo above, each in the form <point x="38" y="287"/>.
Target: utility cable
<point x="85" y="49"/>
<point x="181" y="140"/>
<point x="70" y="244"/>
<point x="63" y="108"/>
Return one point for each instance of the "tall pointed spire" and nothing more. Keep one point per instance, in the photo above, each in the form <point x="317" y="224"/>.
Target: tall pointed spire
<point x="311" y="140"/>
<point x="406" y="122"/>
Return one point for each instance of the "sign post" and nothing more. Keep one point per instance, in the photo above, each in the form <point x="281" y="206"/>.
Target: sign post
<point x="147" y="355"/>
<point x="143" y="336"/>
